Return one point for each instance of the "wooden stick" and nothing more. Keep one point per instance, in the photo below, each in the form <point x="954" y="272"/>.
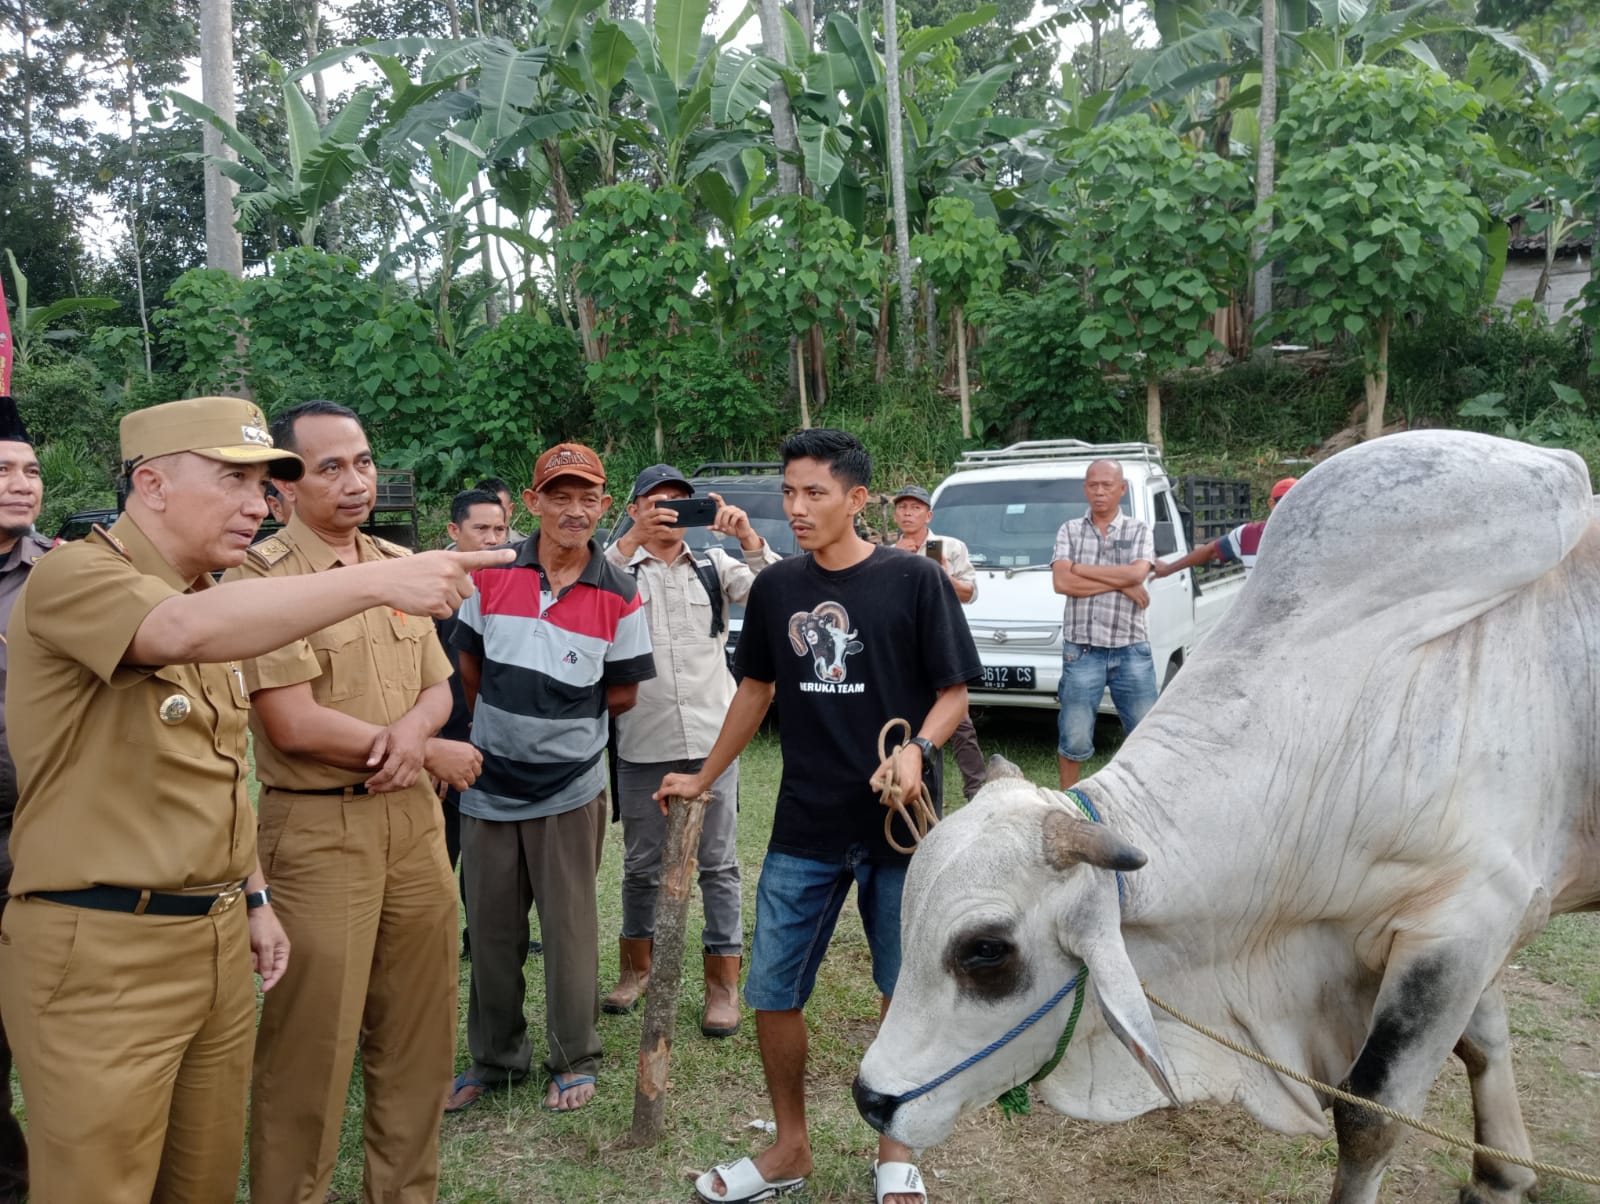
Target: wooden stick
<point x="685" y="817"/>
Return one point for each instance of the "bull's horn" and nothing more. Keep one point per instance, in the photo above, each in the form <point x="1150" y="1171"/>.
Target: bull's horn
<point x="999" y="767"/>
<point x="1069" y="840"/>
<point x="796" y="641"/>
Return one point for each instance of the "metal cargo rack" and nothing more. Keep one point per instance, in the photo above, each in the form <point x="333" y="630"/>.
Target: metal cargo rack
<point x="1058" y="451"/>
<point x="1212" y="506"/>
<point x="737" y="468"/>
<point x="394" y="509"/>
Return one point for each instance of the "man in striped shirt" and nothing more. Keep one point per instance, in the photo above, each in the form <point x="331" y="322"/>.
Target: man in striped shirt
<point x="550" y="645"/>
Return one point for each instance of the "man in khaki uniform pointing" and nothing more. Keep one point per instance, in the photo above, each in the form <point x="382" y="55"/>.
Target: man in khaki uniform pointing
<point x="352" y="839"/>
<point x="137" y="906"/>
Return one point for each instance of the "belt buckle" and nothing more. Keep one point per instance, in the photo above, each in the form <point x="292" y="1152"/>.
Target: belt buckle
<point x="225" y="900"/>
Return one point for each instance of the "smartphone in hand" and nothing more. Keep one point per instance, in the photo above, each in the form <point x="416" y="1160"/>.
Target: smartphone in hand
<point x="934" y="550"/>
<point x="692" y="511"/>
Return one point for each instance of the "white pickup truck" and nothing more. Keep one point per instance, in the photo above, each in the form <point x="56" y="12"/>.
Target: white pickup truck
<point x="1007" y="506"/>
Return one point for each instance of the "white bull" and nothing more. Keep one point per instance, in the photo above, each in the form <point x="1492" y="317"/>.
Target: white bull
<point x="1373" y="784"/>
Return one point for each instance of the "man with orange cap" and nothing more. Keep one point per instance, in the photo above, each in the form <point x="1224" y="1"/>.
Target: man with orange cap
<point x="1239" y="546"/>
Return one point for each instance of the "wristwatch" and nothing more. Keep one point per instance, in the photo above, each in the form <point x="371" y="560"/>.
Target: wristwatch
<point x="926" y="745"/>
<point x="257" y="898"/>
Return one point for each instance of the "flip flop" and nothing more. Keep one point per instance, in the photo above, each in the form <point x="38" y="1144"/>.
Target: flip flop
<point x="897" y="1179"/>
<point x="744" y="1184"/>
<point x="464" y="1080"/>
<point x="563" y="1085"/>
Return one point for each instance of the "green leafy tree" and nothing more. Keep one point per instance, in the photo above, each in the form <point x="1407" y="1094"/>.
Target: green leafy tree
<point x="522" y="387"/>
<point x="1370" y="234"/>
<point x="798" y="267"/>
<point x="1370" y="220"/>
<point x="1039" y="380"/>
<point x="640" y="255"/>
<point x="964" y="257"/>
<point x="1151" y="226"/>
<point x="34" y="329"/>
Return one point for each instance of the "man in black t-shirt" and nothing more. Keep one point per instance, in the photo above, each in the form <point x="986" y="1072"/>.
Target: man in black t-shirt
<point x="845" y="638"/>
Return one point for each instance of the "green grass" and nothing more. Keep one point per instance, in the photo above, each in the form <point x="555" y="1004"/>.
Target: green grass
<point x="508" y="1149"/>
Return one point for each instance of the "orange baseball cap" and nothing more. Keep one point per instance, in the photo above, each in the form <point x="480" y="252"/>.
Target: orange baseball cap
<point x="568" y="460"/>
<point x="1283" y="487"/>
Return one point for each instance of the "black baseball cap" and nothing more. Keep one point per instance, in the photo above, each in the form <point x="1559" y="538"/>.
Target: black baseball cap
<point x="656" y="475"/>
<point x="916" y="493"/>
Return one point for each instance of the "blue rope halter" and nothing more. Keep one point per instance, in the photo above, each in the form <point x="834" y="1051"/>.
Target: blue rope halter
<point x="1076" y="983"/>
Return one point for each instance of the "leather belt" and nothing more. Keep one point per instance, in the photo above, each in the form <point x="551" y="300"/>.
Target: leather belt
<point x="357" y="790"/>
<point x="143" y="902"/>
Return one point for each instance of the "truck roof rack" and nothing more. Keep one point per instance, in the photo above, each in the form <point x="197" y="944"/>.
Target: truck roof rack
<point x="1056" y="451"/>
<point x="724" y="468"/>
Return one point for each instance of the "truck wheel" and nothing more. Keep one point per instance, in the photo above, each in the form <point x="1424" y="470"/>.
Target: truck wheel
<point x="1173" y="666"/>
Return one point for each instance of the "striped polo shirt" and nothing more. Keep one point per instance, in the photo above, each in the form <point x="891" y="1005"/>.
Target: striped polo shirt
<point x="546" y="661"/>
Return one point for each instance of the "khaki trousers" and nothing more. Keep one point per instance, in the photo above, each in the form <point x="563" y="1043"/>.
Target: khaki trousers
<point x="363" y="887"/>
<point x="132" y="1035"/>
<point x="508" y="866"/>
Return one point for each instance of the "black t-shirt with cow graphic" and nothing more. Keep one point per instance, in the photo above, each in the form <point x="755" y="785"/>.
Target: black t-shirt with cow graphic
<point x="848" y="651"/>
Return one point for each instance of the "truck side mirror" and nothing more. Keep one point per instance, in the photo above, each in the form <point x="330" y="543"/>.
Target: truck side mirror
<point x="1166" y="539"/>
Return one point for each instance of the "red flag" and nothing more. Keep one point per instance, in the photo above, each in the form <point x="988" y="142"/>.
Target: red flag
<point x="7" y="349"/>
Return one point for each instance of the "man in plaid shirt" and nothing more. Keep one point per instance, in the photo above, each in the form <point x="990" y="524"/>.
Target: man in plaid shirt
<point x="1100" y="563"/>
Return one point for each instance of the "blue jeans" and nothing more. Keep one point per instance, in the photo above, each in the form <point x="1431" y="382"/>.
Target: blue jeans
<point x="797" y="905"/>
<point x="1085" y="673"/>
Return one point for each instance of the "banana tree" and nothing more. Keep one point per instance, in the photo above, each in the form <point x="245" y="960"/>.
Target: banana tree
<point x="322" y="160"/>
<point x="31" y="328"/>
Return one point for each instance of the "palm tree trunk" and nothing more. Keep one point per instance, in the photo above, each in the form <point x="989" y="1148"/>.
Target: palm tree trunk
<point x="800" y="374"/>
<point x="961" y="374"/>
<point x="1152" y="411"/>
<point x="561" y="205"/>
<point x="1377" y="383"/>
<point x="136" y="203"/>
<point x="1266" y="162"/>
<point x="905" y="326"/>
<point x="783" y="128"/>
<point x="224" y="249"/>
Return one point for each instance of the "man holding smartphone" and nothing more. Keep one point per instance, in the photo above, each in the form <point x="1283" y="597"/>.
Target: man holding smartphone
<point x="672" y="727"/>
<point x="913" y="511"/>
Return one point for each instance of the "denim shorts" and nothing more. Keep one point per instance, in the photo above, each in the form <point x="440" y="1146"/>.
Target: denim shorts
<point x="797" y="905"/>
<point x="1086" y="673"/>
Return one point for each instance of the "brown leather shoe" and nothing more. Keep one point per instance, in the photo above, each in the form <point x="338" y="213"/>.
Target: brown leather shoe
<point x="634" y="958"/>
<point x="721" y="1015"/>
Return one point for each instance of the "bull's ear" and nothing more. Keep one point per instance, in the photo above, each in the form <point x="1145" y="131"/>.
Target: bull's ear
<point x="1069" y="839"/>
<point x="999" y="767"/>
<point x="1122" y="1003"/>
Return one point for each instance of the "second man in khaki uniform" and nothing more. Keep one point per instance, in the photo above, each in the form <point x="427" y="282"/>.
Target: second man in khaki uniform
<point x="353" y="842"/>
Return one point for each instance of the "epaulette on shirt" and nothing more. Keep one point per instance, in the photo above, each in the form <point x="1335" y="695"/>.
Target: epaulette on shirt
<point x="111" y="541"/>
<point x="270" y="550"/>
<point x="392" y="550"/>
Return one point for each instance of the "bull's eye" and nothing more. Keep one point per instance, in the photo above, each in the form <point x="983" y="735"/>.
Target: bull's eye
<point x="987" y="965"/>
<point x="984" y="953"/>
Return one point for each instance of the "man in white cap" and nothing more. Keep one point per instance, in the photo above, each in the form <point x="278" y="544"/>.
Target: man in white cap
<point x="913" y="512"/>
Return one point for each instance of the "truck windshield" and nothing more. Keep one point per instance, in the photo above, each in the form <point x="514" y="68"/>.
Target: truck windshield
<point x="1010" y="524"/>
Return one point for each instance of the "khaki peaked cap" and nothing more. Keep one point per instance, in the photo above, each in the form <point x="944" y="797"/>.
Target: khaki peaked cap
<point x="230" y="429"/>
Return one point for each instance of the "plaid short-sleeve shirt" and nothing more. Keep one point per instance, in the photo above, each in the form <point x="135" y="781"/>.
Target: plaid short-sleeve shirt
<point x="1108" y="620"/>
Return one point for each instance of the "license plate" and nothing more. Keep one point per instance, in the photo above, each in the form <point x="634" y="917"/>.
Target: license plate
<point x="1008" y="677"/>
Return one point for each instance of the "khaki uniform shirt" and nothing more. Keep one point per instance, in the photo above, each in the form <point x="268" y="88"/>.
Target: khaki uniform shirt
<point x="14" y="566"/>
<point x="680" y="710"/>
<point x="371" y="666"/>
<point x="956" y="557"/>
<point x="130" y="776"/>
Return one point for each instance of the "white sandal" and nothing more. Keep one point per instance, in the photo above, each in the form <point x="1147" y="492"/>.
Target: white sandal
<point x="897" y="1179"/>
<point x="743" y="1183"/>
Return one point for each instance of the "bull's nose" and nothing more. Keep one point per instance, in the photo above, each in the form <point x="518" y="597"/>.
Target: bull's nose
<point x="877" y="1110"/>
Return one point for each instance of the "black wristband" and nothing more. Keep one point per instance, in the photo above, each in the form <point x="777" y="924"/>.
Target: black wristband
<point x="926" y="745"/>
<point x="257" y="898"/>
